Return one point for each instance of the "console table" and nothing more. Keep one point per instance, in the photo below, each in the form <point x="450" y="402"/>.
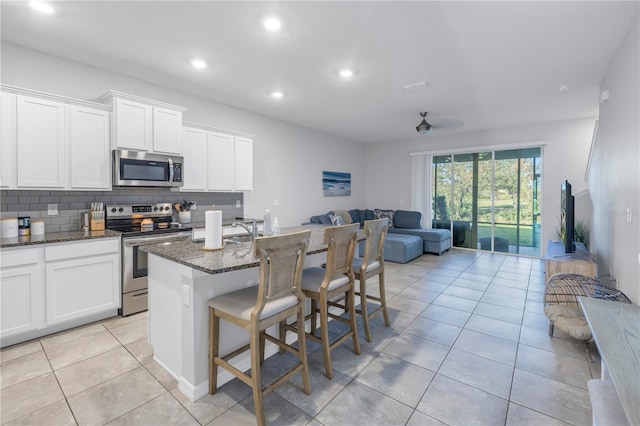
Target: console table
<point x="615" y="328"/>
<point x="556" y="261"/>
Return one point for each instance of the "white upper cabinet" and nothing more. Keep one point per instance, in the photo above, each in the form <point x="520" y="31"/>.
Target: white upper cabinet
<point x="167" y="131"/>
<point x="54" y="142"/>
<point x="40" y="143"/>
<point x="216" y="161"/>
<point x="243" y="162"/>
<point x="145" y="125"/>
<point x="194" y="151"/>
<point x="8" y="140"/>
<point x="133" y="124"/>
<point x="89" y="148"/>
<point x="221" y="163"/>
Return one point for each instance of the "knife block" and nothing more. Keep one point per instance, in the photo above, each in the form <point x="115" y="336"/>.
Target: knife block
<point x="96" y="221"/>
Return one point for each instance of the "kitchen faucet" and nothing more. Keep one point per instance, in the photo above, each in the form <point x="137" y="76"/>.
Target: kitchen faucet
<point x="253" y="232"/>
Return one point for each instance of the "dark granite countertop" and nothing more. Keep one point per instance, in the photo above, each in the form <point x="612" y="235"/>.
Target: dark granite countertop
<point x="231" y="257"/>
<point x="57" y="237"/>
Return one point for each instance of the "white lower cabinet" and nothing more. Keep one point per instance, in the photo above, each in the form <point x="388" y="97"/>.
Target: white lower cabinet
<point x="45" y="288"/>
<point x="82" y="279"/>
<point x="22" y="291"/>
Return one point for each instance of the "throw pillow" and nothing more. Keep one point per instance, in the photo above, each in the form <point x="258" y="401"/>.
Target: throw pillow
<point x="368" y="215"/>
<point x="336" y="220"/>
<point x="355" y="217"/>
<point x="389" y="214"/>
<point x="346" y="217"/>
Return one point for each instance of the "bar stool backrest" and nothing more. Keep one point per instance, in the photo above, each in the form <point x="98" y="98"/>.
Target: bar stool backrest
<point x="376" y="232"/>
<point x="281" y="263"/>
<point x="342" y="242"/>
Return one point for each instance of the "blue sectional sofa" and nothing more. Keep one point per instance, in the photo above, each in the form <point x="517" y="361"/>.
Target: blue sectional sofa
<point x="402" y="222"/>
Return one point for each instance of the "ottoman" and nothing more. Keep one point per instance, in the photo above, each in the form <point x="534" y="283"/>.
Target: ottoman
<point x="399" y="248"/>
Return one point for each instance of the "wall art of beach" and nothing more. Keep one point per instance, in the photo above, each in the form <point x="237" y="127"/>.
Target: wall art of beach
<point x="336" y="183"/>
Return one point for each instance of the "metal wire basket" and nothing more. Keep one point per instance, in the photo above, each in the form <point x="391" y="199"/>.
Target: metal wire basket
<point x="564" y="289"/>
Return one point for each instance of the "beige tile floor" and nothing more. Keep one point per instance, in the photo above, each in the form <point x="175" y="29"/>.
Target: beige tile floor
<point x="468" y="344"/>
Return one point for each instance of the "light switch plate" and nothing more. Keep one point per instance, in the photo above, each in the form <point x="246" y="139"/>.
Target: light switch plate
<point x="276" y="202"/>
<point x="52" y="209"/>
<point x="185" y="295"/>
<point x="238" y="204"/>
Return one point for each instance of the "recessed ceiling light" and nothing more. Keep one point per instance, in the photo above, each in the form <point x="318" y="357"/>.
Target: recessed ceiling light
<point x="199" y="63"/>
<point x="272" y="24"/>
<point x="346" y="73"/>
<point x="41" y="6"/>
<point x="276" y="95"/>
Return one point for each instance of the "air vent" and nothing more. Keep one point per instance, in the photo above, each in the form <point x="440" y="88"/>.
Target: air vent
<point x="415" y="86"/>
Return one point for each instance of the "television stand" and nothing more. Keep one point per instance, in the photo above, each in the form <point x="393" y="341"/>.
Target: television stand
<point x="557" y="261"/>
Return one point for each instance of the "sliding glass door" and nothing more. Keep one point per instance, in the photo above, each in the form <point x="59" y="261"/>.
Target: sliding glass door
<point x="489" y="200"/>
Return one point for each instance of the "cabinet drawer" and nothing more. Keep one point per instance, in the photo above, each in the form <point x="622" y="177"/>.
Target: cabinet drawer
<point x="76" y="250"/>
<point x="21" y="257"/>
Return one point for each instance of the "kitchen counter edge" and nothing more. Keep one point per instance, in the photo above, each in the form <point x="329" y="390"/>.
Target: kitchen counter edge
<point x="56" y="237"/>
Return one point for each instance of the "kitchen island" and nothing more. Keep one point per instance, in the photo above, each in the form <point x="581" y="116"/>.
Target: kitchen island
<point x="182" y="278"/>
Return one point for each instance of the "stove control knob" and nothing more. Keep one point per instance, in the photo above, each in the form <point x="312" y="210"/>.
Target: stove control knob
<point x="166" y="208"/>
<point x="113" y="209"/>
<point x="156" y="208"/>
<point x="120" y="209"/>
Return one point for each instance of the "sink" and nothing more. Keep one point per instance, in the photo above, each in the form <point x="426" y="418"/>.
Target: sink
<point x="240" y="239"/>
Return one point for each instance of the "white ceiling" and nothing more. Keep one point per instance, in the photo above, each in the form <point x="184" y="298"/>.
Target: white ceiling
<point x="488" y="64"/>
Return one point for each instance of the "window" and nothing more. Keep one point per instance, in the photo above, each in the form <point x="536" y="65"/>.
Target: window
<point x="490" y="200"/>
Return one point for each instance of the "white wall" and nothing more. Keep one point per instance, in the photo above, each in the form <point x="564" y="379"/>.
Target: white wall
<point x="564" y="157"/>
<point x="288" y="159"/>
<point x="614" y="175"/>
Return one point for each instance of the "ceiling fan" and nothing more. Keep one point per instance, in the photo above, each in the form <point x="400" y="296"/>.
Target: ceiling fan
<point x="425" y="127"/>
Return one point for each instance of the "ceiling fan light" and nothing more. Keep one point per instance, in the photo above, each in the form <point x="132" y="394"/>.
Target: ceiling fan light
<point x="424" y="127"/>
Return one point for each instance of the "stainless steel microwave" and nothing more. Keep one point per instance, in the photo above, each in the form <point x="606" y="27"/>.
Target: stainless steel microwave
<point x="134" y="168"/>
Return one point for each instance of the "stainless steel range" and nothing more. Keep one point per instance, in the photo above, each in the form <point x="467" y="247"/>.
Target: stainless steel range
<point x="140" y="224"/>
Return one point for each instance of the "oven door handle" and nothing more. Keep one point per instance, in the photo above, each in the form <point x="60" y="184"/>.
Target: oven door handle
<point x="153" y="240"/>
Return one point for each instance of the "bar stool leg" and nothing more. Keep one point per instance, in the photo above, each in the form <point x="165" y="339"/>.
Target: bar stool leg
<point x="363" y="307"/>
<point x="324" y="331"/>
<point x="352" y="320"/>
<point x="383" y="300"/>
<point x="255" y="378"/>
<point x="302" y="354"/>
<point x="214" y="344"/>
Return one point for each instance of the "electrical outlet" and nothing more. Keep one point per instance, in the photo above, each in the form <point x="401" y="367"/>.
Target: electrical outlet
<point x="276" y="202"/>
<point x="238" y="204"/>
<point x="52" y="209"/>
<point x="194" y="206"/>
<point x="185" y="295"/>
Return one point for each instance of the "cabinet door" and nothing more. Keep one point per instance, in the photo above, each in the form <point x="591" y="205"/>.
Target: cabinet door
<point x="243" y="164"/>
<point x="194" y="150"/>
<point x="82" y="286"/>
<point x="89" y="146"/>
<point x="220" y="152"/>
<point x="167" y="131"/>
<point x="133" y="125"/>
<point x="22" y="290"/>
<point x="8" y="142"/>
<point x="40" y="143"/>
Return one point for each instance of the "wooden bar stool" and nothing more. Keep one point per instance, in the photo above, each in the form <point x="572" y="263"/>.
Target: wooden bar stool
<point x="335" y="281"/>
<point x="277" y="297"/>
<point x="370" y="265"/>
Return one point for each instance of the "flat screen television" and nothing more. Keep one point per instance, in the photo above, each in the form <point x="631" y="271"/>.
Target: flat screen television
<point x="567" y="202"/>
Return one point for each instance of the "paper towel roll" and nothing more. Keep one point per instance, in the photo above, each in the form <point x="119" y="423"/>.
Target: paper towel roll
<point x="213" y="230"/>
<point x="37" y="227"/>
<point x="9" y="227"/>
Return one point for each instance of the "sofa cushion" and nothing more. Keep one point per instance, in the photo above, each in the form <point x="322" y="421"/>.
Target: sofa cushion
<point x="389" y="214"/>
<point x="407" y="219"/>
<point x="433" y="235"/>
<point x="368" y="215"/>
<point x="323" y="219"/>
<point x="357" y="216"/>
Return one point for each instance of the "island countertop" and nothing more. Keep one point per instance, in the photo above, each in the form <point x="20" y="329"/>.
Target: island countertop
<point x="231" y="257"/>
